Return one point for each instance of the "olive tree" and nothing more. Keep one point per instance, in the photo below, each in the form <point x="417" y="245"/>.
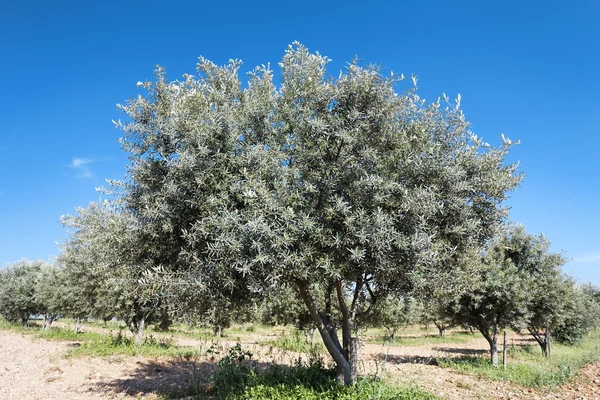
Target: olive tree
<point x="51" y="293"/>
<point x="395" y="313"/>
<point x="17" y="290"/>
<point x="497" y="299"/>
<point x="580" y="315"/>
<point x="105" y="259"/>
<point x="549" y="290"/>
<point x="338" y="186"/>
<point x="434" y="311"/>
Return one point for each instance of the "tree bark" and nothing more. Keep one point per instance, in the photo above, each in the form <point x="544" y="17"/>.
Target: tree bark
<point x="504" y="348"/>
<point x="47" y="322"/>
<point x="494" y="351"/>
<point x="353" y="359"/>
<point x="139" y="334"/>
<point x="350" y="347"/>
<point x="541" y="340"/>
<point x="329" y="336"/>
<point x="218" y="330"/>
<point x="548" y="346"/>
<point x="492" y="339"/>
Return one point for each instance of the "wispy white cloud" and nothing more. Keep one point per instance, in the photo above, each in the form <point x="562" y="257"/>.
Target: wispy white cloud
<point x="81" y="165"/>
<point x="591" y="258"/>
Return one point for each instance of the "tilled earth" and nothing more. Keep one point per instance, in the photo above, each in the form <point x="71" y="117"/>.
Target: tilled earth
<point x="38" y="369"/>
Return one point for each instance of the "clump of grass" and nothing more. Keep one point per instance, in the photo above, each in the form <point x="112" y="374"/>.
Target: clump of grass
<point x="363" y="390"/>
<point x="298" y="343"/>
<point x="528" y="367"/>
<point x="68" y="335"/>
<point x="120" y="344"/>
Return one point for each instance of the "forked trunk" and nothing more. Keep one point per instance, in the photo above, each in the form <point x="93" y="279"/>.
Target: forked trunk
<point x="47" y="322"/>
<point x="541" y="339"/>
<point x="548" y="352"/>
<point x="492" y="339"/>
<point x="218" y="330"/>
<point x="345" y="372"/>
<point x="442" y="331"/>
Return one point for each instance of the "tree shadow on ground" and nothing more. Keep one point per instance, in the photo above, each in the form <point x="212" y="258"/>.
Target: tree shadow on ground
<point x="464" y="352"/>
<point x="165" y="378"/>
<point x="396" y="359"/>
<point x="172" y="379"/>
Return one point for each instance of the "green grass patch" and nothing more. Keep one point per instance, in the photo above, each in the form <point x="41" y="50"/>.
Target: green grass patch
<point x="104" y="344"/>
<point x="528" y="367"/>
<point x="237" y="377"/>
<point x="364" y="389"/>
<point x="297" y="342"/>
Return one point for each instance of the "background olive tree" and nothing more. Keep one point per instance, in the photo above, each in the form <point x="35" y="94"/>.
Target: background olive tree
<point x="17" y="290"/>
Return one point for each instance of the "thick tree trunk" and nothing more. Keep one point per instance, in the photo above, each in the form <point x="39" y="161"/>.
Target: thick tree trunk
<point x="329" y="336"/>
<point x="218" y="330"/>
<point x="504" y="351"/>
<point x="350" y="347"/>
<point x="548" y="352"/>
<point x="47" y="322"/>
<point x="139" y="334"/>
<point x="492" y="339"/>
<point x="542" y="340"/>
<point x="494" y="350"/>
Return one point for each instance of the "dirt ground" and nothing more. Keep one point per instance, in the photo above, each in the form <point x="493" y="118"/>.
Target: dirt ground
<point x="37" y="369"/>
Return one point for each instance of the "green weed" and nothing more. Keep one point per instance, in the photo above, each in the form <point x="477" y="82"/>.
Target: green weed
<point x="298" y="343"/>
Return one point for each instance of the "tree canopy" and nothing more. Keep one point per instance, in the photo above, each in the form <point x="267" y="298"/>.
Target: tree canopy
<point x="340" y="186"/>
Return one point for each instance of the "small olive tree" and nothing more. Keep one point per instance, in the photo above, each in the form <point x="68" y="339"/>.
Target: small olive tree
<point x="395" y="313"/>
<point x="498" y="298"/>
<point x="548" y="290"/>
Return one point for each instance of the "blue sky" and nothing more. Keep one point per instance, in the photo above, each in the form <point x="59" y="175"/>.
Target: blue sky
<point x="528" y="69"/>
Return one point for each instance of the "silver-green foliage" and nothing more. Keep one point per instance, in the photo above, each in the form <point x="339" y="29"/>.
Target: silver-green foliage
<point x="105" y="259"/>
<point x="51" y="293"/>
<point x="498" y="297"/>
<point x="395" y="313"/>
<point x="17" y="290"/>
<point x="339" y="184"/>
